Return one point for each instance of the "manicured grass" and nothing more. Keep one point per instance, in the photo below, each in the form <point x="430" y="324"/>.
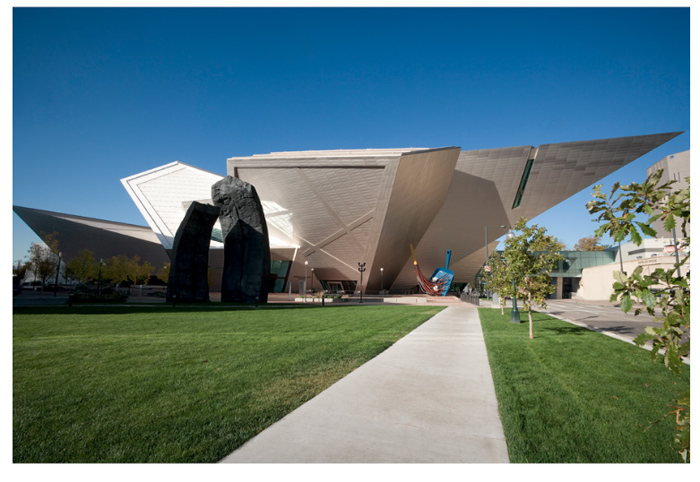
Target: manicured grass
<point x="182" y="384"/>
<point x="574" y="395"/>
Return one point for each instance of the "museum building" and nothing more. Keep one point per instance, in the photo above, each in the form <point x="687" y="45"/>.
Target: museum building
<point x="326" y="211"/>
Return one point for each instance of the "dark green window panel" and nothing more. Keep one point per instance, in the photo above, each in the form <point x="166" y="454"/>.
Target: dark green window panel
<point x="523" y="183"/>
<point x="518" y="198"/>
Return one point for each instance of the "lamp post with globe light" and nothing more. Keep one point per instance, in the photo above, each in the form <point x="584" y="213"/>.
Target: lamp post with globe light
<point x="361" y="268"/>
<point x="486" y="242"/>
<point x="58" y="267"/>
<point x="99" y="278"/>
<point x="514" y="313"/>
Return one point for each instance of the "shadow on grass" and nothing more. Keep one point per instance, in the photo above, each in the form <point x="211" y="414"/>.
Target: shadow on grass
<point x="573" y="329"/>
<point x="543" y="327"/>
<point x="560" y="330"/>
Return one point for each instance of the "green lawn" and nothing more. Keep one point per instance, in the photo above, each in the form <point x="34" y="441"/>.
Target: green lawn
<point x="574" y="395"/>
<point x="182" y="384"/>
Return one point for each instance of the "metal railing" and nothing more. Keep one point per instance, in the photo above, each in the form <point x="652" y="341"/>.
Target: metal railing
<point x="473" y="299"/>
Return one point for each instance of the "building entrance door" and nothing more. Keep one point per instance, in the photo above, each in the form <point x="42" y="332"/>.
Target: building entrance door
<point x="335" y="287"/>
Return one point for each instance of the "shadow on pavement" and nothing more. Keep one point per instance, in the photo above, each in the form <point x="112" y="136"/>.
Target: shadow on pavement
<point x="620" y="330"/>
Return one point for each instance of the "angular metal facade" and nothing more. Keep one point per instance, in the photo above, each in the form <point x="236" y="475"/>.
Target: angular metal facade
<point x="347" y="207"/>
<point x="337" y="203"/>
<point x="104" y="238"/>
<point x="335" y="209"/>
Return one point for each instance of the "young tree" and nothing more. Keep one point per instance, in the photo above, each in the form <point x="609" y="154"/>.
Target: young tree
<point x="589" y="243"/>
<point x="138" y="273"/>
<point x="164" y="273"/>
<point x="117" y="269"/>
<point x="83" y="267"/>
<point x="530" y="257"/>
<point x="43" y="258"/>
<point x="499" y="279"/>
<point x="67" y="274"/>
<point x="665" y="294"/>
<point x="120" y="269"/>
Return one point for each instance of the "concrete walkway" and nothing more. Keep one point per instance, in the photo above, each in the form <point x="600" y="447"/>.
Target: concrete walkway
<point x="427" y="399"/>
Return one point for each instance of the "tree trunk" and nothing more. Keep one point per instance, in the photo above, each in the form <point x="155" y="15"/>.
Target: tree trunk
<point x="529" y="314"/>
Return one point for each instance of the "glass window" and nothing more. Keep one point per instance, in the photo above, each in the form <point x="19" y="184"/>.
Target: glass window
<point x="523" y="183"/>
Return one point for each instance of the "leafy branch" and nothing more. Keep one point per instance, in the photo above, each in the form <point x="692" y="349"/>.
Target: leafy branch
<point x="663" y="293"/>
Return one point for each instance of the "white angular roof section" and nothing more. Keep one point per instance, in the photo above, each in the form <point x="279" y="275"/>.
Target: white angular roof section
<point x="163" y="195"/>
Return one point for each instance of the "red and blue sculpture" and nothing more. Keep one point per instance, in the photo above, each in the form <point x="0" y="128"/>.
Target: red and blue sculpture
<point x="439" y="283"/>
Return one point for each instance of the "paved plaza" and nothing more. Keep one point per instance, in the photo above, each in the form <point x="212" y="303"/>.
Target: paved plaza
<point x="601" y="316"/>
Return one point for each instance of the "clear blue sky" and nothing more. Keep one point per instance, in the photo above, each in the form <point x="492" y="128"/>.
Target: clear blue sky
<point x="100" y="94"/>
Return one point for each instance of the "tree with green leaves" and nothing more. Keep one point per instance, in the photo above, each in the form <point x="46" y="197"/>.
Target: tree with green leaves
<point x="116" y="269"/>
<point x="139" y="272"/>
<point x="558" y="245"/>
<point x="589" y="243"/>
<point x="83" y="267"/>
<point x="498" y="278"/>
<point x="121" y="268"/>
<point x="67" y="274"/>
<point x="164" y="273"/>
<point x="531" y="256"/>
<point x="630" y="210"/>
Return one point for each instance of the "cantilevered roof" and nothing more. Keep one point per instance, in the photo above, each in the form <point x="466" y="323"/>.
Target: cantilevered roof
<point x="486" y="182"/>
<point x="104" y="238"/>
<point x="331" y="153"/>
<point x="345" y="206"/>
<point x="328" y="201"/>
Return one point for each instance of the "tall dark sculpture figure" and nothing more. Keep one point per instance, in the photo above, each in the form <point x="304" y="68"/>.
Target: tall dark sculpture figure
<point x="246" y="242"/>
<point x="189" y="257"/>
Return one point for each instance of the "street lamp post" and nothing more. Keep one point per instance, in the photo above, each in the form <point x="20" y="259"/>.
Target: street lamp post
<point x="514" y="313"/>
<point x="312" y="282"/>
<point x="486" y="241"/>
<point x="381" y="271"/>
<point x="58" y="267"/>
<point x="99" y="278"/>
<point x="306" y="273"/>
<point x="361" y="268"/>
